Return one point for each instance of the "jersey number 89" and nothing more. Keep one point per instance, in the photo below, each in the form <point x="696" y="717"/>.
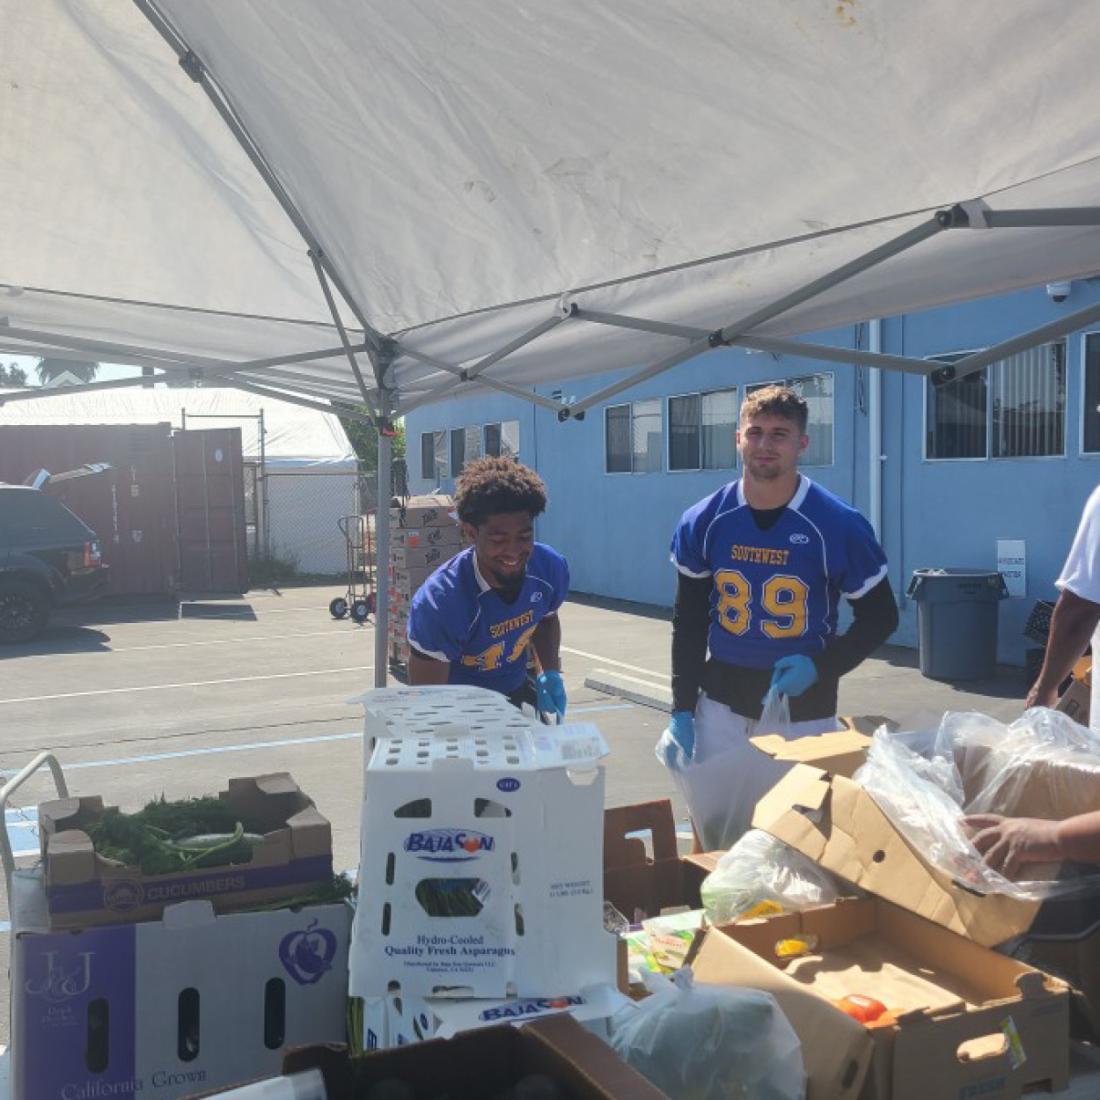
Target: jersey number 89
<point x="782" y="597"/>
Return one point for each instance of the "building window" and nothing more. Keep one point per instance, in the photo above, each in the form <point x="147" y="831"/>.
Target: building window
<point x="701" y="431"/>
<point x="433" y="456"/>
<point x="502" y="439"/>
<point x="1014" y="408"/>
<point x="632" y="437"/>
<point x="1090" y="433"/>
<point x="458" y="450"/>
<point x="817" y="390"/>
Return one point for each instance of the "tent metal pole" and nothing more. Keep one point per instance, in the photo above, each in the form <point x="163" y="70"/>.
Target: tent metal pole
<point x="773" y="345"/>
<point x="1042" y="218"/>
<point x="943" y="219"/>
<point x="469" y="374"/>
<point x="198" y="72"/>
<point x="78" y="343"/>
<point x="941" y="373"/>
<point x="40" y="393"/>
<point x="432" y="395"/>
<point x="485" y="380"/>
<point x="304" y="402"/>
<point x="382" y="547"/>
<point x="337" y="320"/>
<point x="514" y="345"/>
<point x="321" y="387"/>
<point x="833" y="355"/>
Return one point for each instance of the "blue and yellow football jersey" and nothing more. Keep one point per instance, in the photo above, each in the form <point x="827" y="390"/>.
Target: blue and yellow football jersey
<point x="457" y="617"/>
<point x="776" y="591"/>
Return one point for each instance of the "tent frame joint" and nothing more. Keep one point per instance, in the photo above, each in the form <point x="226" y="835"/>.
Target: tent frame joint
<point x="192" y="66"/>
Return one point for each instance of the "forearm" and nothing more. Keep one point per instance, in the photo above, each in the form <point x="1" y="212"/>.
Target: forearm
<point x="1071" y="627"/>
<point x="427" y="670"/>
<point x="1079" y="838"/>
<point x="547" y="643"/>
<point x="690" y="622"/>
<point x="875" y="618"/>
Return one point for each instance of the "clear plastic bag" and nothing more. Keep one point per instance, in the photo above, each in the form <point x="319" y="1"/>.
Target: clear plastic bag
<point x="710" y="1042"/>
<point x="760" y="875"/>
<point x="1042" y="765"/>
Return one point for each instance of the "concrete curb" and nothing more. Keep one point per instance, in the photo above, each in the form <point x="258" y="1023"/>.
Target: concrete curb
<point x="643" y="692"/>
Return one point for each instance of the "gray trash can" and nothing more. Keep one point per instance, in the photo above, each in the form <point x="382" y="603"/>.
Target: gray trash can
<point x="957" y="621"/>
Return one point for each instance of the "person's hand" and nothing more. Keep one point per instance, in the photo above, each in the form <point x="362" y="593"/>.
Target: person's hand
<point x="551" y="694"/>
<point x="679" y="738"/>
<point x="1007" y="843"/>
<point x="793" y="675"/>
<point x="1046" y="697"/>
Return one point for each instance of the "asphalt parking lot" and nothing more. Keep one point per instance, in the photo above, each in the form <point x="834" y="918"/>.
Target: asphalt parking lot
<point x="145" y="699"/>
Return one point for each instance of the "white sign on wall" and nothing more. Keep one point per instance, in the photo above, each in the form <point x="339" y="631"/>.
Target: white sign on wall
<point x="1012" y="565"/>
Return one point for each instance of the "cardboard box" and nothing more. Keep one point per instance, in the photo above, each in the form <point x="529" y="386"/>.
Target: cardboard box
<point x="396" y="1020"/>
<point x="485" y="1063"/>
<point x="1076" y="700"/>
<point x="427" y="511"/>
<point x="840" y="752"/>
<point x="839" y="825"/>
<point x="478" y="876"/>
<point x="83" y="889"/>
<point x="642" y="869"/>
<point x="412" y="537"/>
<point x="167" y="1008"/>
<point x="951" y="999"/>
<point x="409" y="559"/>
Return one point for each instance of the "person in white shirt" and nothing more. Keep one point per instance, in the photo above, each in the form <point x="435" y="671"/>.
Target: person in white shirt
<point x="1076" y="615"/>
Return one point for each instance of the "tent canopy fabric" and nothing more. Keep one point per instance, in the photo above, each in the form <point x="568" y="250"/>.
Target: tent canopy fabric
<point x="469" y="174"/>
<point x="293" y="437"/>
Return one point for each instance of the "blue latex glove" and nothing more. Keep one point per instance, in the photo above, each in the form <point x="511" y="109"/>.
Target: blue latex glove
<point x="793" y="675"/>
<point x="681" y="726"/>
<point x="551" y="694"/>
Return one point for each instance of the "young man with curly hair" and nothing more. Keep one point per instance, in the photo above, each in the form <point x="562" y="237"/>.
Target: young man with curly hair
<point x="762" y="565"/>
<point x="472" y="619"/>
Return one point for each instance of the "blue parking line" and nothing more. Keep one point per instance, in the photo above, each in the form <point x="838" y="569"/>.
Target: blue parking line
<point x="248" y="746"/>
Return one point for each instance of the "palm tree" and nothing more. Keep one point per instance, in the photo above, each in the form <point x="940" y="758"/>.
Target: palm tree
<point x="49" y="369"/>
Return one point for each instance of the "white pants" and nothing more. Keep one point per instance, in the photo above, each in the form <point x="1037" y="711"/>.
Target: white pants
<point x="728" y="774"/>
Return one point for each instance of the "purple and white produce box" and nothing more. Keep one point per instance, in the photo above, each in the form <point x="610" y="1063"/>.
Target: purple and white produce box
<point x="165" y="1009"/>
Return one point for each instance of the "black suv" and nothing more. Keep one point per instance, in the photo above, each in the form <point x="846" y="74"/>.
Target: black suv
<point x="47" y="557"/>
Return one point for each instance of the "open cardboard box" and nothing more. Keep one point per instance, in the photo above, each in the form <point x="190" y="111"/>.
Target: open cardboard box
<point x="483" y="1063"/>
<point x="839" y="752"/>
<point x="839" y="825"/>
<point x="643" y="872"/>
<point x="955" y="1002"/>
<point x="1076" y="700"/>
<point x="83" y="889"/>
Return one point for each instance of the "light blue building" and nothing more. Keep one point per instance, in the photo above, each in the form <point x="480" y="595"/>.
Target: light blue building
<point x="1009" y="454"/>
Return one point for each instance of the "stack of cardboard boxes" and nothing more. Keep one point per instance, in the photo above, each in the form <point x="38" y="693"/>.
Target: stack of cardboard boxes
<point x="126" y="984"/>
<point x="424" y="533"/>
<point x="481" y="895"/>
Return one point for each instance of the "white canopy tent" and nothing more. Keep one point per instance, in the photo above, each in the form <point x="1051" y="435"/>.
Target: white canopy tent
<point x="387" y="204"/>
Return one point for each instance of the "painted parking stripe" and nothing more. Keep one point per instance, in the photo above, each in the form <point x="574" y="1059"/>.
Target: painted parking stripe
<point x="210" y="750"/>
<point x="617" y="664"/>
<point x="236" y="640"/>
<point x="188" y="684"/>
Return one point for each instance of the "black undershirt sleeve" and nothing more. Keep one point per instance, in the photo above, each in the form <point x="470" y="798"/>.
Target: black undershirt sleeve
<point x="874" y="619"/>
<point x="690" y="623"/>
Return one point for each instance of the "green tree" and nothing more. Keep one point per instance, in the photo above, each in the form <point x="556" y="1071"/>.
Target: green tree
<point x="12" y="377"/>
<point x="364" y="439"/>
<point x="49" y="369"/>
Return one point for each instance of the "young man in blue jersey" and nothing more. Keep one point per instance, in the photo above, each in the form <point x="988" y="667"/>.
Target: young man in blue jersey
<point x="472" y="619"/>
<point x="762" y="565"/>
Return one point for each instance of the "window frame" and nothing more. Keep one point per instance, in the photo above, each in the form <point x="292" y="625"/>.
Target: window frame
<point x="630" y="405"/>
<point x="989" y="456"/>
<point x="1084" y="361"/>
<point x="701" y="394"/>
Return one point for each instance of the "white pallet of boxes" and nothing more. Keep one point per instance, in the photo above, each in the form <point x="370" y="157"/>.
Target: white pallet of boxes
<point x="424" y="533"/>
<point x="481" y="857"/>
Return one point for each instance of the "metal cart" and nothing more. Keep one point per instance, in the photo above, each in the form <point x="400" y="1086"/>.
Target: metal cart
<point x="359" y="600"/>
